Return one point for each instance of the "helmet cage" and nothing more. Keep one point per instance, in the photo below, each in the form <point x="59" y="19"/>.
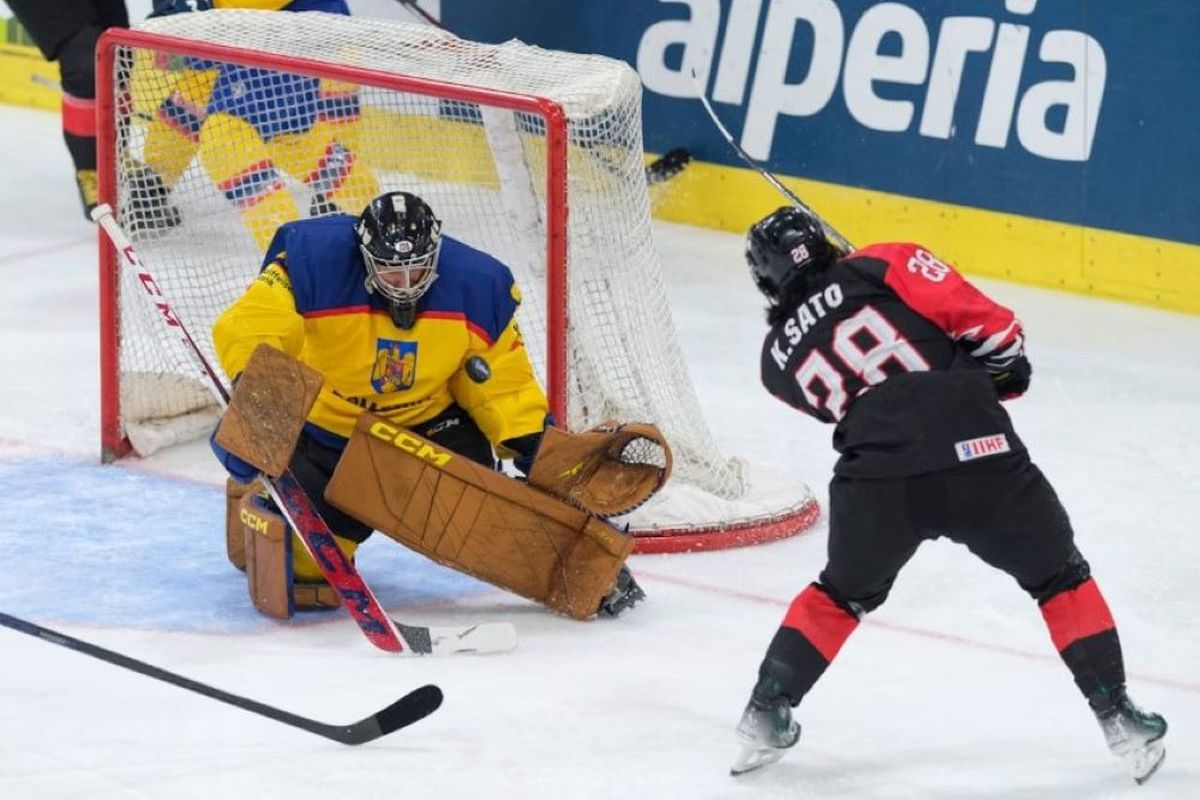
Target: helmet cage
<point x="426" y="263"/>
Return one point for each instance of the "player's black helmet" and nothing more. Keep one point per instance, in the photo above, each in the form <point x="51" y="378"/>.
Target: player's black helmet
<point x="400" y="239"/>
<point x="782" y="245"/>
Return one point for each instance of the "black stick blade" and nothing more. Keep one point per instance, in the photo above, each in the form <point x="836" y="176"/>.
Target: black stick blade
<point x="413" y="707"/>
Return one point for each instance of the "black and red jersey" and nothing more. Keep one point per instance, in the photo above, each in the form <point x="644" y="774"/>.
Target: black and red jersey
<point x="887" y="344"/>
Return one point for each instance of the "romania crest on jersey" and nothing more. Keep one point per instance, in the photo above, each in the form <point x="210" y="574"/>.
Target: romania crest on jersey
<point x="395" y="366"/>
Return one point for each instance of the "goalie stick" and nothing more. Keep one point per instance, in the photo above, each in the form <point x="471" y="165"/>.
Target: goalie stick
<point x="412" y="707"/>
<point x="831" y="232"/>
<point x="297" y="507"/>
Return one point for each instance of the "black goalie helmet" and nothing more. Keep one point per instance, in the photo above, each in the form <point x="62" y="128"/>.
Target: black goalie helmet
<point x="400" y="239"/>
<point x="784" y="244"/>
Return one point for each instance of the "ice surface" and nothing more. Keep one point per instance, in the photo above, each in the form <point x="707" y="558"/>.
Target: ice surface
<point x="950" y="690"/>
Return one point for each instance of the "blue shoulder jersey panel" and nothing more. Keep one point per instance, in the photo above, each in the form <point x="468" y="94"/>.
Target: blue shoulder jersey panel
<point x="469" y="282"/>
<point x="475" y="284"/>
<point x="328" y="6"/>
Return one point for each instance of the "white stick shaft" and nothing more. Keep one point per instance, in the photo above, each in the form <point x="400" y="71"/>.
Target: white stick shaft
<point x="103" y="216"/>
<point x="830" y="231"/>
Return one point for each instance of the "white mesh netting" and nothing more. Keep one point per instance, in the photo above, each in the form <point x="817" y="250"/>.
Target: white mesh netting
<point x="212" y="154"/>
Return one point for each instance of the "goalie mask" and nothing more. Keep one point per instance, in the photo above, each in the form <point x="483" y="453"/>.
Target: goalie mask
<point x="784" y="244"/>
<point x="400" y="239"/>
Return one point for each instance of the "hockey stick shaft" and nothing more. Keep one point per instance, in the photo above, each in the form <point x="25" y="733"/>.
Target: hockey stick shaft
<point x="414" y="706"/>
<point x="286" y="491"/>
<point x="415" y="8"/>
<point x="830" y="231"/>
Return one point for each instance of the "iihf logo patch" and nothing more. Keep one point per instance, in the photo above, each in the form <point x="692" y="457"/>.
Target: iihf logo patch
<point x="982" y="447"/>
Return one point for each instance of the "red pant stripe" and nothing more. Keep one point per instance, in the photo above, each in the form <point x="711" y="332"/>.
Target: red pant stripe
<point x="824" y="623"/>
<point x="1076" y="614"/>
<point x="78" y="115"/>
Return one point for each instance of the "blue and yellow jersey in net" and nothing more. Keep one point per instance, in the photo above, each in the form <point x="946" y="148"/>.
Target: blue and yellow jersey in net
<point x="311" y="302"/>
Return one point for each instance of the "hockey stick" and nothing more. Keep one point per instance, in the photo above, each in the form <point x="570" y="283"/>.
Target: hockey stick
<point x="412" y="707"/>
<point x="425" y="16"/>
<point x="297" y="507"/>
<point x="659" y="171"/>
<point x="830" y="231"/>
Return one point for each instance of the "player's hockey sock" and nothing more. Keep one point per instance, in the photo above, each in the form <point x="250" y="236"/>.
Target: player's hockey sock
<point x="1084" y="634"/>
<point x="813" y="631"/>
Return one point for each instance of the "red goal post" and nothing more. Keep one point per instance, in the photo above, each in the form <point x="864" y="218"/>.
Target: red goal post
<point x="529" y="154"/>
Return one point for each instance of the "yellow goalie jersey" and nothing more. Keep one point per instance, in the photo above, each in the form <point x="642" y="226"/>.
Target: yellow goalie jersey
<point x="311" y="302"/>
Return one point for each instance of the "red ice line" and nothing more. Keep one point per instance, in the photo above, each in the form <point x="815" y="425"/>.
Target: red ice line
<point x="924" y="633"/>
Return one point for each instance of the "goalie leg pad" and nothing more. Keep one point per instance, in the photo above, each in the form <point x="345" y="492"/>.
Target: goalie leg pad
<point x="477" y="520"/>
<point x="235" y="529"/>
<point x="269" y="545"/>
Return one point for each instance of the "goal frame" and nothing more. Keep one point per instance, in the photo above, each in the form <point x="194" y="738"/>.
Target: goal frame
<point x="113" y="442"/>
<point x="670" y="538"/>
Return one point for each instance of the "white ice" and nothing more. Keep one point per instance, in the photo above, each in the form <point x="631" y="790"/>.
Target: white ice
<point x="951" y="690"/>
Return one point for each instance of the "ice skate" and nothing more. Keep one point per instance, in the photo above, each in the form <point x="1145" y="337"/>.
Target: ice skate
<point x="624" y="595"/>
<point x="764" y="734"/>
<point x="1133" y="735"/>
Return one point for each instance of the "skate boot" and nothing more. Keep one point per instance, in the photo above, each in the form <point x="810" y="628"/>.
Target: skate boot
<point x="147" y="208"/>
<point x="625" y="594"/>
<point x="765" y="731"/>
<point x="1133" y="735"/>
<point x="89" y="190"/>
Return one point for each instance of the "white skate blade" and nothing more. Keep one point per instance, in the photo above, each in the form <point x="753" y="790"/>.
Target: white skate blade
<point x="1145" y="762"/>
<point x="751" y="758"/>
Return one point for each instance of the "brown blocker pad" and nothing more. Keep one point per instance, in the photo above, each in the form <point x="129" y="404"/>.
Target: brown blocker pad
<point x="476" y="520"/>
<point x="270" y="402"/>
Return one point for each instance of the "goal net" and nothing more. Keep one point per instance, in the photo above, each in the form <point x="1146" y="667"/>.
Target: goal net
<point x="217" y="127"/>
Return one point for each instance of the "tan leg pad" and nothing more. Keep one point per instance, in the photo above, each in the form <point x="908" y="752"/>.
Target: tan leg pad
<point x="268" y="559"/>
<point x="235" y="529"/>
<point x="476" y="520"/>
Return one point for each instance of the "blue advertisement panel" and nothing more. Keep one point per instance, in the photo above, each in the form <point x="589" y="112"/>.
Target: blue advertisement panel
<point x="1077" y="111"/>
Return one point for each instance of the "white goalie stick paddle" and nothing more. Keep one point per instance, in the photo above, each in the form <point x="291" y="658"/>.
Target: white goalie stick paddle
<point x="830" y="232"/>
<point x="298" y="509"/>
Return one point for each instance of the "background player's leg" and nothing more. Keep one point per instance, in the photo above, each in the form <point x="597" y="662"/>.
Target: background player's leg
<point x="66" y="32"/>
<point x="239" y="163"/>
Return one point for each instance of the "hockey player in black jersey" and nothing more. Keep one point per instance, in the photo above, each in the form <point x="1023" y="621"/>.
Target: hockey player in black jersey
<point x="909" y="361"/>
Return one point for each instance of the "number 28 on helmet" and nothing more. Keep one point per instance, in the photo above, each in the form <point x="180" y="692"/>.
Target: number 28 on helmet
<point x="783" y="245"/>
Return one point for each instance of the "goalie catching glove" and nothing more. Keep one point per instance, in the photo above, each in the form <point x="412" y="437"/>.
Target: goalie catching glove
<point x="608" y="470"/>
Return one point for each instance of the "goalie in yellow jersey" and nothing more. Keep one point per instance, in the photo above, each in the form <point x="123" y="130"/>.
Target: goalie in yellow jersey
<point x="252" y="127"/>
<point x="414" y="335"/>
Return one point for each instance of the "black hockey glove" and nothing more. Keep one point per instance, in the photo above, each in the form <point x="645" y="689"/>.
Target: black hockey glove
<point x="1010" y="378"/>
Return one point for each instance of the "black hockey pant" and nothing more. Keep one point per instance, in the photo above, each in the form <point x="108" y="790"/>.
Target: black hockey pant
<point x="1003" y="510"/>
